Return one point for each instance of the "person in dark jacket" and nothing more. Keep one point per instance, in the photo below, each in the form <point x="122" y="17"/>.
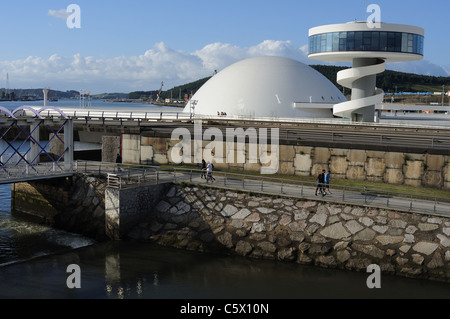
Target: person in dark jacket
<point x="118" y="161"/>
<point x="320" y="183"/>
<point x="203" y="175"/>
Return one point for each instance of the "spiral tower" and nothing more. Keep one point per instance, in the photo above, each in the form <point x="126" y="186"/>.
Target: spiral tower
<point x="368" y="49"/>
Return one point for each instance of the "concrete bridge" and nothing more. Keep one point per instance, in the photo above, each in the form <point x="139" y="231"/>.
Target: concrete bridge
<point x="91" y="125"/>
<point x="28" y="167"/>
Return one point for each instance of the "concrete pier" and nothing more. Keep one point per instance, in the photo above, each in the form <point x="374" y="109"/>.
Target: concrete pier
<point x="124" y="208"/>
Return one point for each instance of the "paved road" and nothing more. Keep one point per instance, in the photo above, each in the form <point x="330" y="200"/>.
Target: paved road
<point x="436" y="139"/>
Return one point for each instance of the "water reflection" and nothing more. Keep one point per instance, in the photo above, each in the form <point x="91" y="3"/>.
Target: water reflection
<point x="130" y="270"/>
<point x="137" y="270"/>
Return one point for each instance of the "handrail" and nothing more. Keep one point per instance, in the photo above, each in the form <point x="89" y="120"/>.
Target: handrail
<point x="160" y="114"/>
<point x="13" y="173"/>
<point x="432" y="140"/>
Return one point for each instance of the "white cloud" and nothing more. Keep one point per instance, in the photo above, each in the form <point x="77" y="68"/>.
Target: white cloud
<point x="146" y="71"/>
<point x="59" y="14"/>
<point x="218" y="55"/>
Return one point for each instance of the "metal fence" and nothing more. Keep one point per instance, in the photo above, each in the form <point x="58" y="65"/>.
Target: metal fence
<point x="13" y="173"/>
<point x="121" y="176"/>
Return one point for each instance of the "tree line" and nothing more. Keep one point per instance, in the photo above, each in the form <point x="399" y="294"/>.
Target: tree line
<point x="17" y="94"/>
<point x="389" y="81"/>
<point x="177" y="93"/>
<point x="393" y="81"/>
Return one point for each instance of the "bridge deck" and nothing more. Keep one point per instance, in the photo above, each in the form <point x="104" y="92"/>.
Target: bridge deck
<point x="11" y="174"/>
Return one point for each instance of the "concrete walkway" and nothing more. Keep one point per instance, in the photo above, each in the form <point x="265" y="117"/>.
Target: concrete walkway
<point x="131" y="177"/>
<point x="402" y="202"/>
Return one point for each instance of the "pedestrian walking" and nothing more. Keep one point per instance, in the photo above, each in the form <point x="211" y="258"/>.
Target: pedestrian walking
<point x="320" y="183"/>
<point x="203" y="174"/>
<point x="327" y="181"/>
<point x="209" y="169"/>
<point x="118" y="162"/>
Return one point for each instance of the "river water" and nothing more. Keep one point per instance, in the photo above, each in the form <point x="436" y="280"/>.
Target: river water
<point x="34" y="260"/>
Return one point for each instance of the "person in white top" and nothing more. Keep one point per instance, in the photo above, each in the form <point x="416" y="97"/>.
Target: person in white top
<point x="209" y="169"/>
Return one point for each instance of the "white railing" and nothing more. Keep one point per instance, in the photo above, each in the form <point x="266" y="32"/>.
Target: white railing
<point x="106" y="115"/>
<point x="12" y="173"/>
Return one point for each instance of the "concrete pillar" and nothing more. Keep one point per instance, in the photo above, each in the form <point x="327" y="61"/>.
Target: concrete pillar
<point x="68" y="145"/>
<point x="33" y="157"/>
<point x="45" y="91"/>
<point x="127" y="207"/>
<point x="110" y="148"/>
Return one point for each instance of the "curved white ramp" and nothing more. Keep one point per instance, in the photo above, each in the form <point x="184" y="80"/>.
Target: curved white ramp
<point x="346" y="79"/>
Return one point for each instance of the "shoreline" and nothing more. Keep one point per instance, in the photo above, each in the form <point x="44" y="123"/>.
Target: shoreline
<point x="144" y="102"/>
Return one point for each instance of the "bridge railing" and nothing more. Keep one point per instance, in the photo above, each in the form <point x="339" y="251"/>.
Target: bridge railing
<point x="124" y="175"/>
<point x="12" y="172"/>
<point x="79" y="113"/>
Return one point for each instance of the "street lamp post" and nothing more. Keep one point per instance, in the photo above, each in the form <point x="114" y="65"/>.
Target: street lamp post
<point x="193" y="104"/>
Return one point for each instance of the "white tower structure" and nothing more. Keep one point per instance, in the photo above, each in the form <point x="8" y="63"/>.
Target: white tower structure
<point x="369" y="49"/>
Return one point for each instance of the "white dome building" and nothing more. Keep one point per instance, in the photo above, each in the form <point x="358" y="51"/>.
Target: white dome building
<point x="267" y="86"/>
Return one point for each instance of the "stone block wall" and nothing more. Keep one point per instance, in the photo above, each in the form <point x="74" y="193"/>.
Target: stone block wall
<point x="379" y="166"/>
<point x="74" y="204"/>
<point x="306" y="232"/>
<point x="125" y="208"/>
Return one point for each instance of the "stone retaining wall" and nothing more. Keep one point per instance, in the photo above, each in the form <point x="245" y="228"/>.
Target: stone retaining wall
<point x="74" y="204"/>
<point x="306" y="232"/>
<point x="378" y="166"/>
<point x="126" y="207"/>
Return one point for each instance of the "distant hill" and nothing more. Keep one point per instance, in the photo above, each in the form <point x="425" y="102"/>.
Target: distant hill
<point x="176" y="93"/>
<point x="36" y="94"/>
<point x="393" y="81"/>
<point x="110" y="96"/>
<point x="389" y="81"/>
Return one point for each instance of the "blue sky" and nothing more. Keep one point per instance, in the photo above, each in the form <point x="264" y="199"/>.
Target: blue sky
<point x="135" y="44"/>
